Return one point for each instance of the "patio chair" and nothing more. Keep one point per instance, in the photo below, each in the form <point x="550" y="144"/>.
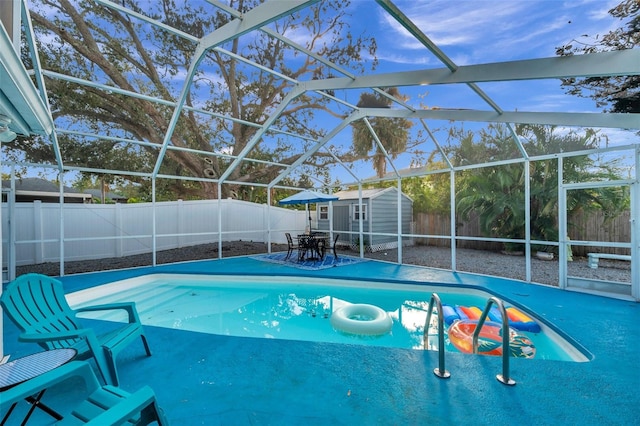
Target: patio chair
<point x="290" y="244"/>
<point x="303" y="246"/>
<point x="37" y="305"/>
<point x="322" y="247"/>
<point x="333" y="247"/>
<point x="105" y="405"/>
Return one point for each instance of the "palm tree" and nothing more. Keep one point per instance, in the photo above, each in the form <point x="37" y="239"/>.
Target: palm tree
<point x="392" y="132"/>
<point x="496" y="194"/>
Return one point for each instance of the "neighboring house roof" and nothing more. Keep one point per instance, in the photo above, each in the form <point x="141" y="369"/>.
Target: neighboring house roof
<point x="366" y="193"/>
<point x="41" y="189"/>
<point x="96" y="193"/>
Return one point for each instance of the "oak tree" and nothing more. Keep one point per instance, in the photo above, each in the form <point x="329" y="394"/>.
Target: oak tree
<point x="227" y="100"/>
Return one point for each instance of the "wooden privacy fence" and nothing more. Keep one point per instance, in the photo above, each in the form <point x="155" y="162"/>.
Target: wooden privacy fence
<point x="97" y="231"/>
<point x="594" y="226"/>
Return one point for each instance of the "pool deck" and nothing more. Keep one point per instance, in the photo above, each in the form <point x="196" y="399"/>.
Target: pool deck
<point x="221" y="380"/>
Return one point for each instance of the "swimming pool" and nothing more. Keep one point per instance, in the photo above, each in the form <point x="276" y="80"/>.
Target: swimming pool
<point x="292" y="308"/>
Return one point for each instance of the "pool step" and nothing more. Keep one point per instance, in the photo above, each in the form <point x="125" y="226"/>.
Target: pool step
<point x="144" y="298"/>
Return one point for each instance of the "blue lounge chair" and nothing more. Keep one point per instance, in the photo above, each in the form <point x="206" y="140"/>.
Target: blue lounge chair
<point x="37" y="305"/>
<point x="105" y="405"/>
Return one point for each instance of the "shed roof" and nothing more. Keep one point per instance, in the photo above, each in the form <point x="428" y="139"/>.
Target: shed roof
<point x="369" y="194"/>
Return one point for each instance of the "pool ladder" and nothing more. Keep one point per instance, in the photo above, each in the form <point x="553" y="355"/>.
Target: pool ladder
<point x="440" y="371"/>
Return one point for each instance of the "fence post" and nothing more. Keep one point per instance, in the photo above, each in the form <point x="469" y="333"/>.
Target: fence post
<point x="38" y="232"/>
<point x="118" y="230"/>
<point x="180" y="219"/>
<point x="266" y="223"/>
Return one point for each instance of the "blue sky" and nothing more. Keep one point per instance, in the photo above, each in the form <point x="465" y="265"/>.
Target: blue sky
<point x="492" y="31"/>
<point x="472" y="32"/>
<point x="483" y="31"/>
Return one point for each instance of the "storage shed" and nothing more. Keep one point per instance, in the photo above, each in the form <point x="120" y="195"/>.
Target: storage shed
<point x="379" y="217"/>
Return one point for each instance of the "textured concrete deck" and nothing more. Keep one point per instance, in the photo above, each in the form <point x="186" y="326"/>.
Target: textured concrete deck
<point x="211" y="380"/>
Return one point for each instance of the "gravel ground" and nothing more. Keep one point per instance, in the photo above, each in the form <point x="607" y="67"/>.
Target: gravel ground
<point x="507" y="266"/>
<point x="476" y="261"/>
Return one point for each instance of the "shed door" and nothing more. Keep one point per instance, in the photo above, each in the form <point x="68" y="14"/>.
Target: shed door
<point x="341" y="220"/>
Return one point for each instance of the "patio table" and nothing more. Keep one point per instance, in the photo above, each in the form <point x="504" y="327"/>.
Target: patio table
<point x="314" y="244"/>
<point x="22" y="369"/>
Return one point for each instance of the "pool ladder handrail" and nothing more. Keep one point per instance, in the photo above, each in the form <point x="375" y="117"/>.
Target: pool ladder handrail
<point x="504" y="377"/>
<point x="439" y="371"/>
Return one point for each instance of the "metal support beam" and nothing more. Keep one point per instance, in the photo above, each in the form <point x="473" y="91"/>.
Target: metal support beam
<point x="38" y="75"/>
<point x="615" y="121"/>
<point x="601" y="64"/>
<point x="344" y="123"/>
<point x="436" y="143"/>
<point x="255" y="18"/>
<point x="380" y="146"/>
<point x="422" y="38"/>
<point x="635" y="230"/>
<point x="527" y="219"/>
<point x="517" y="141"/>
<point x="297" y="91"/>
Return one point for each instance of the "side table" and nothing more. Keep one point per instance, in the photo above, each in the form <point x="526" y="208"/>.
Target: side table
<point x="22" y="369"/>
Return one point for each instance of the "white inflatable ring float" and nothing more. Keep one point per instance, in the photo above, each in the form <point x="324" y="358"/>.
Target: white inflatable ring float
<point x="361" y="319"/>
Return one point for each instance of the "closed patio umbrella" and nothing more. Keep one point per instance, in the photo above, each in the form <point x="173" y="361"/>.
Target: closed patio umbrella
<point x="307" y="197"/>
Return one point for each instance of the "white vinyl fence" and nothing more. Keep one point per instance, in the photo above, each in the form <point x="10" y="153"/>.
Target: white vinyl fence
<point x="31" y="231"/>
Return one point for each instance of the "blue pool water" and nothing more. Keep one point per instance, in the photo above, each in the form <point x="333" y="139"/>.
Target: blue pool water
<point x="295" y="309"/>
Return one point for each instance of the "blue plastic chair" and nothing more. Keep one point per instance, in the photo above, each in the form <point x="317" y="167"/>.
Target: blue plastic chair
<point x="104" y="405"/>
<point x="37" y="305"/>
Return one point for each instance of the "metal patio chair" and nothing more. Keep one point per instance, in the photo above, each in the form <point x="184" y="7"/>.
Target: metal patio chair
<point x="290" y="244"/>
<point x="333" y="246"/>
<point x="304" y="247"/>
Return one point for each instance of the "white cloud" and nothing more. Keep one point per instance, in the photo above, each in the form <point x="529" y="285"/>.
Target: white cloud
<point x="493" y="31"/>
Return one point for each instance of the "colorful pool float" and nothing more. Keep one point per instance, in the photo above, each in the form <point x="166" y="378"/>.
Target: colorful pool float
<point x="517" y="319"/>
<point x="489" y="340"/>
